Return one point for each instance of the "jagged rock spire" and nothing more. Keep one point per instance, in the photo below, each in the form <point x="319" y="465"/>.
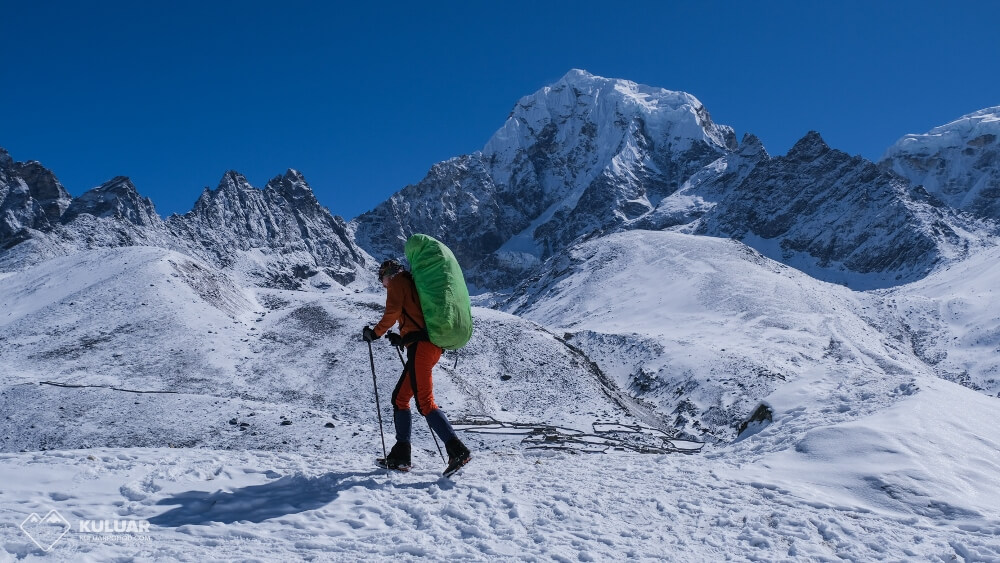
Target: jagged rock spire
<point x="31" y="197"/>
<point x="116" y="198"/>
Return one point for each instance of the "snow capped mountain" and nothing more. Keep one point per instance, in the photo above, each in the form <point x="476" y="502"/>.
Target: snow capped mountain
<point x="579" y="159"/>
<point x="589" y="156"/>
<point x="700" y="193"/>
<point x="584" y="155"/>
<point x="44" y="221"/>
<point x="457" y="202"/>
<point x="605" y="151"/>
<point x="958" y="162"/>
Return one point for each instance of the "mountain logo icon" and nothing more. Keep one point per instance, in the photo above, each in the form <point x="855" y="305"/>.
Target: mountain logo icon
<point x="45" y="531"/>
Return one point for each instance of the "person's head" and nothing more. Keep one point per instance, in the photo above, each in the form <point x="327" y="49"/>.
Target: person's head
<point x="388" y="269"/>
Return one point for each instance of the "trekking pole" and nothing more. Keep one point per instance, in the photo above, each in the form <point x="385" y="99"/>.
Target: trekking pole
<point x="378" y="407"/>
<point x="433" y="435"/>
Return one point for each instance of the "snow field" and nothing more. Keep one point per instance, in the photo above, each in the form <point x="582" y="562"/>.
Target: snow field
<point x="868" y="456"/>
<point x="507" y="505"/>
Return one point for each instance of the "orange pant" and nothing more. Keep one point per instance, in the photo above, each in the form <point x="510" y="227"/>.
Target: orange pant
<point x="416" y="378"/>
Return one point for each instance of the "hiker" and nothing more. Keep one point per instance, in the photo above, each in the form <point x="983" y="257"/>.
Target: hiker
<point x="402" y="305"/>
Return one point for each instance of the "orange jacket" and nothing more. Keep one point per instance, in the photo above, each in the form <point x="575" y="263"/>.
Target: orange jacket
<point x="401" y="296"/>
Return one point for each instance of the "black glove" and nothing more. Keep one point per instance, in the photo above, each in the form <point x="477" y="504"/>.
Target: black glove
<point x="394" y="339"/>
<point x="368" y="335"/>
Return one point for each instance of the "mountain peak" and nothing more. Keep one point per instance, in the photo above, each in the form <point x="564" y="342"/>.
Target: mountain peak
<point x="970" y="129"/>
<point x="30" y="196"/>
<point x="751" y="145"/>
<point x="958" y="162"/>
<point x="5" y="159"/>
<point x="117" y="198"/>
<point x="294" y="175"/>
<point x="810" y="147"/>
<point x="233" y="180"/>
<point x="119" y="185"/>
<point x="293" y="186"/>
<point x="989" y="116"/>
<point x="232" y="187"/>
<point x="584" y="110"/>
<point x="576" y="75"/>
<point x="586" y="154"/>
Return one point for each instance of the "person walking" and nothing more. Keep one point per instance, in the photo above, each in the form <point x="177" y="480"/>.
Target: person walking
<point x="402" y="307"/>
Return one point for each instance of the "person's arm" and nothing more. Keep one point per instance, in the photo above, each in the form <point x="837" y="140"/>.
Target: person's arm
<point x="393" y="308"/>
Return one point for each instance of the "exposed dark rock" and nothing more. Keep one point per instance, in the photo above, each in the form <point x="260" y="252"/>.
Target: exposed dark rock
<point x="31" y="197"/>
<point x="761" y="416"/>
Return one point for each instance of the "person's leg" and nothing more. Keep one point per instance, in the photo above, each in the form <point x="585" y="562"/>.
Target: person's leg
<point x="401" y="396"/>
<point x="421" y="358"/>
<point x="399" y="455"/>
<point x="440" y="424"/>
<point x="426" y="355"/>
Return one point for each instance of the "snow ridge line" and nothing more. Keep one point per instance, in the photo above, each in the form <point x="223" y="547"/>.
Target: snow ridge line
<point x="73" y="386"/>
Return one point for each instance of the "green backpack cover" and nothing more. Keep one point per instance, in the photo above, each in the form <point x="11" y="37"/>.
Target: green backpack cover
<point x="441" y="288"/>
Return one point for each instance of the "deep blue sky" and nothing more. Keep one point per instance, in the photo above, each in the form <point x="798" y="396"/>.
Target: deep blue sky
<point x="363" y="100"/>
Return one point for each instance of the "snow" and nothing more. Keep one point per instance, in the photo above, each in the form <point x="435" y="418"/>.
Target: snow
<point x="891" y="463"/>
<point x="239" y="423"/>
<point x="593" y="123"/>
<point x="952" y="134"/>
<point x="665" y="114"/>
<point x="952" y="321"/>
<point x="881" y="488"/>
<point x="956" y="161"/>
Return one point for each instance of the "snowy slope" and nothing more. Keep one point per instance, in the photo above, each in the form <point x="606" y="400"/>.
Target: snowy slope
<point x="704" y="327"/>
<point x="953" y="320"/>
<point x="79" y="319"/>
<point x="928" y="455"/>
<point x="261" y="444"/>
<point x="112" y="321"/>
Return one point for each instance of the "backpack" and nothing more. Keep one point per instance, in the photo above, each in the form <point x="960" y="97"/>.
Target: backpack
<point x="444" y="297"/>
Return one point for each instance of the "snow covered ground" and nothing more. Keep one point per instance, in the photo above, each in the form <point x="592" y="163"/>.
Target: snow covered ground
<point x="143" y="389"/>
<point x="952" y="318"/>
<point x="913" y="483"/>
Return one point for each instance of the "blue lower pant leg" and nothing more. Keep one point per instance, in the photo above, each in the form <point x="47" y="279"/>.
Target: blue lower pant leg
<point x="439" y="423"/>
<point x="401" y="420"/>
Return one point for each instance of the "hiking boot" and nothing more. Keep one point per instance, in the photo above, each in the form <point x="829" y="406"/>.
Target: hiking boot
<point x="399" y="456"/>
<point x="458" y="455"/>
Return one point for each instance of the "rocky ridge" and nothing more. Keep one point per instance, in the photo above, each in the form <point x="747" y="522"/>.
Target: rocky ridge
<point x="278" y="236"/>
